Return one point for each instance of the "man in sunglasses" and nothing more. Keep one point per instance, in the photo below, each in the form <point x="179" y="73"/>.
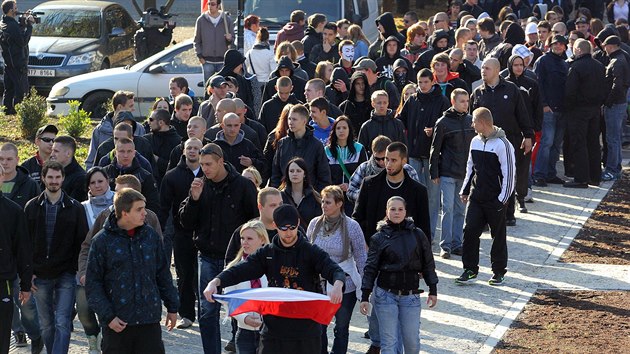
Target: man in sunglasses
<point x="218" y="203"/>
<point x="44" y="141"/>
<point x="289" y="261"/>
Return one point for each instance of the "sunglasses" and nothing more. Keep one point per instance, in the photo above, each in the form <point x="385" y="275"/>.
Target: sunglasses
<point x="47" y="140"/>
<point x="151" y="119"/>
<point x="285" y="228"/>
<point x="379" y="158"/>
<point x="209" y="151"/>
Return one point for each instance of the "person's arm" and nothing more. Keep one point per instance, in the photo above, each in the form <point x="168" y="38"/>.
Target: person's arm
<point x="80" y="230"/>
<point x="465" y="191"/>
<point x="233" y="246"/>
<point x="360" y="211"/>
<point x="508" y="168"/>
<point x="541" y="73"/>
<point x="253" y="268"/>
<point x="436" y="148"/>
<point x="166" y="200"/>
<point x="276" y="169"/>
<point x="94" y="143"/>
<point x="150" y="191"/>
<point x="189" y="211"/>
<point x="95" y="284"/>
<point x="197" y="41"/>
<point x="394" y="96"/>
<point x="370" y="271"/>
<point x="23" y="251"/>
<point x="164" y="280"/>
<point x="85" y="245"/>
<point x="323" y="169"/>
<point x="355" y="183"/>
<point x="358" y="245"/>
<point x="522" y="116"/>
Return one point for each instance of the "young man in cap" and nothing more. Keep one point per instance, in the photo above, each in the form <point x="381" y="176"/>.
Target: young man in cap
<point x="217" y="89"/>
<point x="44" y="141"/>
<point x="300" y="268"/>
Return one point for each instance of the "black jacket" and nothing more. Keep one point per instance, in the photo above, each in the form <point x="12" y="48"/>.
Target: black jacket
<point x="308" y="148"/>
<point x="308" y="66"/>
<point x="552" y="70"/>
<point x="178" y="151"/>
<point x="34" y="167"/>
<point x="74" y="183"/>
<point x="149" y="186"/>
<point x="162" y="143"/>
<point x="336" y="97"/>
<point x="311" y="38"/>
<point x="530" y="93"/>
<point x="250" y="134"/>
<point x="309" y="207"/>
<point x="373" y="195"/>
<point x="424" y="60"/>
<point x="259" y="129"/>
<point x="317" y="53"/>
<point x="469" y="73"/>
<point x="421" y="111"/>
<point x="24" y="189"/>
<point x="271" y="110"/>
<point x="298" y="86"/>
<point x="62" y="256"/>
<point x="241" y="147"/>
<point x="14" y="42"/>
<point x="221" y="208"/>
<point x="179" y="125"/>
<point x="377" y="125"/>
<point x="15" y="245"/>
<point x="486" y="45"/>
<point x="142" y="146"/>
<point x="508" y="109"/>
<point x="388" y="23"/>
<point x="358" y="112"/>
<point x="173" y="190"/>
<point x="383" y="83"/>
<point x="586" y="84"/>
<point x="451" y="141"/>
<point x="231" y="60"/>
<point x="297" y="267"/>
<point x="618" y="77"/>
<point x="385" y="64"/>
<point x="398" y="254"/>
<point x="128" y="277"/>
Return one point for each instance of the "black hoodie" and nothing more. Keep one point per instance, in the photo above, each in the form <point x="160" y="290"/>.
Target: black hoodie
<point x="15" y="244"/>
<point x="599" y="54"/>
<point x="358" y="112"/>
<point x="299" y="84"/>
<point x="530" y="93"/>
<point x="162" y="143"/>
<point x="513" y="36"/>
<point x="336" y="97"/>
<point x="388" y="23"/>
<point x="74" y="182"/>
<point x="24" y="188"/>
<point x="385" y="64"/>
<point x="271" y="110"/>
<point x="311" y="38"/>
<point x="424" y="60"/>
<point x="451" y="141"/>
<point x="381" y="125"/>
<point x="149" y="186"/>
<point x="232" y="59"/>
<point x="174" y="189"/>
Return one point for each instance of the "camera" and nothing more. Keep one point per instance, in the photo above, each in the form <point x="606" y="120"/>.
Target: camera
<point x="152" y="18"/>
<point x="22" y="16"/>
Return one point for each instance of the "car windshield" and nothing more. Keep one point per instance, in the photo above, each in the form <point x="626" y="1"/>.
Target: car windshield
<point x="279" y="11"/>
<point x="68" y="23"/>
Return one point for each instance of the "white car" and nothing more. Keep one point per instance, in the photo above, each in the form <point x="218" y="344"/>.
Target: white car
<point x="148" y="79"/>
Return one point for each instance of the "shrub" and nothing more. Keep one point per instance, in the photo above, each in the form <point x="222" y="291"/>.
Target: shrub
<point x="31" y="113"/>
<point x="77" y="121"/>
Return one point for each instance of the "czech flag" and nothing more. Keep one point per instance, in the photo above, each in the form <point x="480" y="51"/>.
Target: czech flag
<point x="280" y="302"/>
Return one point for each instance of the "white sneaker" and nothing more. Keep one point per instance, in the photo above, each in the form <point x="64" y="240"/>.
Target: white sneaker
<point x="184" y="323"/>
<point x="94" y="347"/>
<point x="528" y="198"/>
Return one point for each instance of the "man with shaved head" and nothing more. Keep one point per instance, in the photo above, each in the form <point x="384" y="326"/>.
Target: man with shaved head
<point x="225" y="106"/>
<point x="508" y="109"/>
<point x="237" y="149"/>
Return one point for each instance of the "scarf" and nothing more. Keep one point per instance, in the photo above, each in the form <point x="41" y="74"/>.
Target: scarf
<point x="329" y="226"/>
<point x="101" y="202"/>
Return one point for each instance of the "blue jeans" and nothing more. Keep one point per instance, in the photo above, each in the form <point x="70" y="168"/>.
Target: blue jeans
<point x="342" y="323"/>
<point x="209" y="268"/>
<point x="550" y="146"/>
<point x="247" y="341"/>
<point x="55" y="301"/>
<point x="615" y="118"/>
<point x="24" y="316"/>
<point x="452" y="214"/>
<point x="86" y="315"/>
<point x="398" y="314"/>
<point x="210" y="69"/>
<point x="433" y="190"/>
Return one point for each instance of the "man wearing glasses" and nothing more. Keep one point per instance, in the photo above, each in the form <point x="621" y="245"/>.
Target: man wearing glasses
<point x="44" y="141"/>
<point x="218" y="203"/>
<point x="289" y="261"/>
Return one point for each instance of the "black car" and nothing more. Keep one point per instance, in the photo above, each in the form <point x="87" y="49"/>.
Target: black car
<point x="76" y="37"/>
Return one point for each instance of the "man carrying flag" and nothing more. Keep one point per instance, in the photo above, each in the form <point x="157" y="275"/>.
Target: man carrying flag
<point x="289" y="261"/>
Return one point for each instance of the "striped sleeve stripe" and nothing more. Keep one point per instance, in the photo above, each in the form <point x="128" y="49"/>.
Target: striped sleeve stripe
<point x="509" y="186"/>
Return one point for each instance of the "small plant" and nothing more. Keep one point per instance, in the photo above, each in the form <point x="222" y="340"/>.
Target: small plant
<point x="77" y="121"/>
<point x="31" y="113"/>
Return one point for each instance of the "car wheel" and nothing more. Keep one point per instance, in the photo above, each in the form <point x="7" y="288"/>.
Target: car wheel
<point x="97" y="103"/>
<point x="105" y="65"/>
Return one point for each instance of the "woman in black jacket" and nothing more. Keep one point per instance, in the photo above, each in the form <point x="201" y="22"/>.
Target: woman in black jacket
<point x="399" y="252"/>
<point x="297" y="190"/>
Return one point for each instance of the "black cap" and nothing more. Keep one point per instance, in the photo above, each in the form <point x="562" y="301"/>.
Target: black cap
<point x="286" y="214"/>
<point x="558" y="38"/>
<point x="612" y="40"/>
<point x="216" y="81"/>
<point x="48" y="128"/>
<point x="581" y="20"/>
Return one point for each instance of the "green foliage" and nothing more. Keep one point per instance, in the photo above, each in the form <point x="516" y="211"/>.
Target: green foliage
<point x="31" y="113"/>
<point x="77" y="121"/>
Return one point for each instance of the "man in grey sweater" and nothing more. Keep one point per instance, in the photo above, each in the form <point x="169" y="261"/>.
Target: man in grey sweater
<point x="213" y="34"/>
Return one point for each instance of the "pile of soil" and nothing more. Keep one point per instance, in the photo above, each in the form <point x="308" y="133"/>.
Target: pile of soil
<point x="571" y="322"/>
<point x="605" y="237"/>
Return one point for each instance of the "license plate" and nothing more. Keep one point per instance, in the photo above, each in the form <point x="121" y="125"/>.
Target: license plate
<point x="41" y="72"/>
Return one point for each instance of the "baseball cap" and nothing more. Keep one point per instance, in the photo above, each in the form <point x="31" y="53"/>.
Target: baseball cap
<point x="559" y="39"/>
<point x="286" y="214"/>
<point x="48" y="128"/>
<point x="365" y="64"/>
<point x="531" y="28"/>
<point x="612" y="40"/>
<point x="216" y="81"/>
<point x="521" y="51"/>
<point x="581" y="20"/>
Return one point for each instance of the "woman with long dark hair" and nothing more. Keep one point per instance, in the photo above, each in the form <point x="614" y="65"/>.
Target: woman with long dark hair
<point x="297" y="190"/>
<point x="344" y="156"/>
<point x="273" y="137"/>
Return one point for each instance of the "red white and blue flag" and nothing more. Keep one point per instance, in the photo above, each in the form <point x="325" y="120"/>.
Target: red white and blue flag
<point x="280" y="302"/>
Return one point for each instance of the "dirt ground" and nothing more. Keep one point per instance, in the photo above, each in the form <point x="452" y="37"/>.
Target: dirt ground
<point x="571" y="322"/>
<point x="605" y="237"/>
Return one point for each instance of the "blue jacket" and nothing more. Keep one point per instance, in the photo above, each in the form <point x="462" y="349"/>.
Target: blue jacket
<point x="552" y="72"/>
<point x="126" y="276"/>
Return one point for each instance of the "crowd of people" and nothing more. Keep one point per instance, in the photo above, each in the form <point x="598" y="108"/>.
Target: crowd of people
<point x="323" y="162"/>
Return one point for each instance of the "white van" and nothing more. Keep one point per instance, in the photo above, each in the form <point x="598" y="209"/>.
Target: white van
<point x="276" y="13"/>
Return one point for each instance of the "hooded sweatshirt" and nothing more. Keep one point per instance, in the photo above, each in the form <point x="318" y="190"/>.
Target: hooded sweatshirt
<point x="385" y="64"/>
<point x="389" y="25"/>
<point x="311" y="38"/>
<point x="240" y="147"/>
<point x="358" y="112"/>
<point x="24" y="188"/>
<point x="530" y="92"/>
<point x="513" y="36"/>
<point x="386" y="125"/>
<point x="103" y="131"/>
<point x="298" y="83"/>
<point x="292" y="31"/>
<point x="334" y="96"/>
<point x="233" y="58"/>
<point x="424" y="60"/>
